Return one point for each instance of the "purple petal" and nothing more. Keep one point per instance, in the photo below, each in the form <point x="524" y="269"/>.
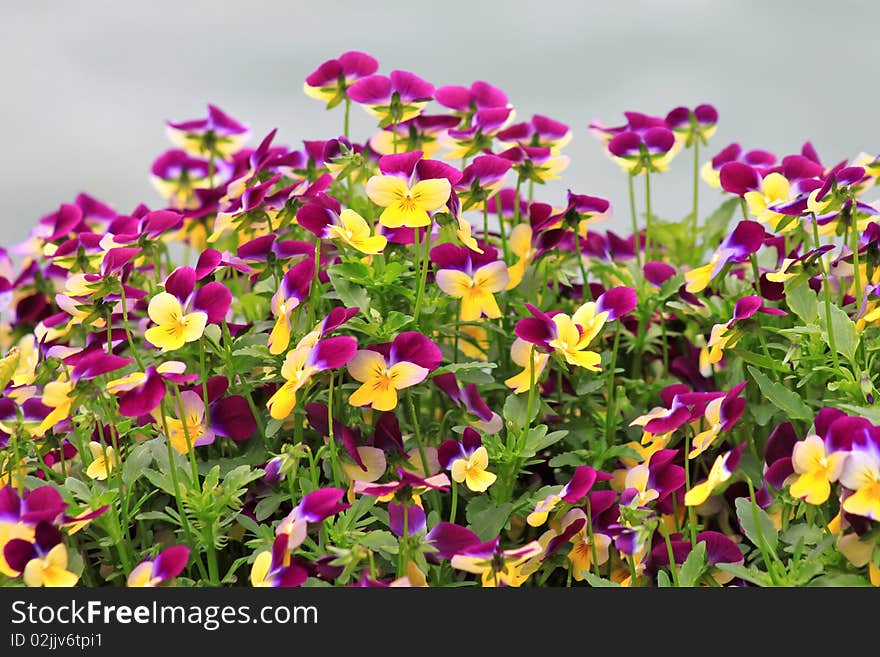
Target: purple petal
<point x="659" y="140"/>
<point x="18" y="553"/>
<point x="171" y="562"/>
<point x="321" y="504"/>
<point x="706" y="114"/>
<point x="371" y="90"/>
<point x="208" y="262"/>
<point x="298" y="280"/>
<point x="617" y="301"/>
<point x="450" y="539"/>
<point x="43" y="504"/>
<point x="411" y="87"/>
<point x="475" y="403"/>
<point x="180" y="282"/>
<point x="387" y="435"/>
<point x="232" y="417"/>
<point x="435" y="169"/>
<point x="454" y="97"/>
<point x="401" y="164"/>
<point x="414" y="347"/>
<point x="449" y="451"/>
<point x="214" y="299"/>
<point x="358" y="64"/>
<point x="626" y="144"/>
<point x="719" y="548"/>
<point x="824" y="419"/>
<point x="415" y="519"/>
<point x="471" y="440"/>
<point x="746" y="307"/>
<point x="738" y="178"/>
<point x="657" y="272"/>
<point x="332" y="353"/>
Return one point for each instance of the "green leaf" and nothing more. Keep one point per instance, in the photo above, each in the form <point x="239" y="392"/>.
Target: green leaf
<point x="840" y="579"/>
<point x="752" y="575"/>
<point x="715" y="226"/>
<point x="803" y="302"/>
<point x="784" y="399"/>
<point x="538" y="439"/>
<point x="753" y="519"/>
<point x="693" y="566"/>
<point x="486" y="518"/>
<point x="80" y="490"/>
<point x="136" y="461"/>
<point x="350" y="294"/>
<point x="871" y="413"/>
<point x="846" y="337"/>
<point x="598" y="582"/>
<point x="663" y="580"/>
<point x="515" y="409"/>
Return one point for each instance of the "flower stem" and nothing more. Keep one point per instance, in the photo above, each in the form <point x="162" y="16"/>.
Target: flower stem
<point x="454" y="508"/>
<point x="334" y="458"/>
<point x="417" y="432"/>
<point x="635" y="221"/>
<point x="827" y="294"/>
<point x="610" y="416"/>
<point x="649" y="244"/>
<point x="423" y="264"/>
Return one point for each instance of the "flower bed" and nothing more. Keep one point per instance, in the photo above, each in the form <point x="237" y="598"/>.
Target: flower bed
<point x="393" y="363"/>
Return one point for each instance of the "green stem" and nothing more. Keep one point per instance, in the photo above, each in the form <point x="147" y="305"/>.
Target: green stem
<point x="857" y="274"/>
<point x="175" y="483"/>
<point x="649" y="243"/>
<point x="345" y="119"/>
<point x="827" y="295"/>
<point x="454" y="508"/>
<point x="762" y="544"/>
<point x="610" y="417"/>
<point x="635" y="223"/>
<point x="696" y="191"/>
<point x="423" y="265"/>
<point x="417" y="432"/>
<point x="671" y="555"/>
<point x="134" y="350"/>
<point x="587" y="292"/>
<point x="692" y="519"/>
<point x="334" y="458"/>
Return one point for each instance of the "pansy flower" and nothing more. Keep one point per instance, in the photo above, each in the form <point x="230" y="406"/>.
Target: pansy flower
<point x="104" y="460"/>
<point x="473" y="278"/>
<point x="310" y="357"/>
<point x="325" y="220"/>
<point x="541" y="131"/>
<point x="757" y="159"/>
<point x="274" y="568"/>
<point x="861" y="475"/>
<point x="478" y="136"/>
<point x="486" y="420"/>
<point x="314" y="507"/>
<point x="464" y="101"/>
<point x="468" y="461"/>
<point x="395" y="98"/>
<point x="176" y="175"/>
<point x="694" y="124"/>
<point x="19" y="515"/>
<point x="188" y="428"/>
<point x="217" y="135"/>
<point x="481" y="179"/>
<point x="141" y="392"/>
<point x="745" y="239"/>
<point x="720" y="549"/>
<point x="653" y="481"/>
<point x="181" y="312"/>
<point x="424" y="133"/>
<point x="495" y="566"/>
<point x="577" y="488"/>
<point x="410" y="189"/>
<point x="726" y="335"/>
<point x="644" y="143"/>
<point x="817" y="467"/>
<point x="722" y="470"/>
<point x="383" y="370"/>
<point x="58" y="396"/>
<point x="721" y="414"/>
<point x="525" y="355"/>
<point x="42" y="562"/>
<point x="331" y="79"/>
<point x="573" y="528"/>
<point x="406" y="515"/>
<point x="166" y="566"/>
<point x="536" y="163"/>
<point x="569" y="336"/>
<point x="292" y="291"/>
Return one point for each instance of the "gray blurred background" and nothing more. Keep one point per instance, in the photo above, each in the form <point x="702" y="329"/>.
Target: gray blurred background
<point x="88" y="84"/>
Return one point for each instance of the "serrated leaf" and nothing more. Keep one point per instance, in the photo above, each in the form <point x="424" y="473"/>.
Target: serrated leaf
<point x="752" y="520"/>
<point x="781" y="397"/>
<point x="486" y="518"/>
<point x="693" y="567"/>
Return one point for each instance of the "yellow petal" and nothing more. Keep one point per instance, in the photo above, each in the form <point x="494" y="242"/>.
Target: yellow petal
<point x="453" y="282"/>
<point x="479" y="481"/>
<point x="405" y="374"/>
<point x="165" y="308"/>
<point x="520" y="240"/>
<point x="386" y="190"/>
<point x="194" y="325"/>
<point x="404" y="213"/>
<point x="366" y="365"/>
<point x="492" y="277"/>
<point x="431" y="195"/>
<point x="260" y="569"/>
<point x="776" y="187"/>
